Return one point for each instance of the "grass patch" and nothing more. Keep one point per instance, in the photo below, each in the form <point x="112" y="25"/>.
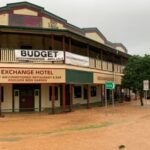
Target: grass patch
<point x="9" y="139"/>
<point x="93" y="126"/>
<point x="55" y="132"/>
<point x="104" y="124"/>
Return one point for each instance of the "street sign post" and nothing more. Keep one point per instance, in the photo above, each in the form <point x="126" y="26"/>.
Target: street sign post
<point x="146" y="85"/>
<point x="109" y="86"/>
<point x="146" y="88"/>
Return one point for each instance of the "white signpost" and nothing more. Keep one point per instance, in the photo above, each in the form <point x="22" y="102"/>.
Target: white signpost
<point x="146" y="88"/>
<point x="146" y="85"/>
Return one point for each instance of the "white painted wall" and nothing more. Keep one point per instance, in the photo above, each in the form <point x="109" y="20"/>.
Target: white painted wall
<point x="45" y="102"/>
<point x="97" y="98"/>
<point x="7" y="104"/>
<point x="78" y="100"/>
<point x="81" y="100"/>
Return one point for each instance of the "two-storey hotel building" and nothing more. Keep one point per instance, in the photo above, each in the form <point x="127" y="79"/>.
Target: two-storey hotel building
<point x="48" y="63"/>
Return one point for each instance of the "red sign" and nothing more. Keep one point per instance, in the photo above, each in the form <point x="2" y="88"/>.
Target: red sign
<point x="25" y="21"/>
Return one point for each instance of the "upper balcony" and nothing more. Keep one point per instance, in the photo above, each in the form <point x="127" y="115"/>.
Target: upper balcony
<point x="97" y="55"/>
<point x="13" y="56"/>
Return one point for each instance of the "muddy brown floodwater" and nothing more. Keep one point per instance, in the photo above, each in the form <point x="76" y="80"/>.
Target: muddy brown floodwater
<point x="127" y="126"/>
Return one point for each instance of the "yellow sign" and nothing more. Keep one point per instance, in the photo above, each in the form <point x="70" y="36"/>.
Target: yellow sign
<point x="100" y="78"/>
<point x="36" y="75"/>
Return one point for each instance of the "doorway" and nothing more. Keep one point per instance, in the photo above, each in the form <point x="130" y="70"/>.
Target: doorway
<point x="28" y="97"/>
<point x="26" y="100"/>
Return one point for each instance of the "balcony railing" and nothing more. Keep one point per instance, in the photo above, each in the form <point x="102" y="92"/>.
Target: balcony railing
<point x="8" y="56"/>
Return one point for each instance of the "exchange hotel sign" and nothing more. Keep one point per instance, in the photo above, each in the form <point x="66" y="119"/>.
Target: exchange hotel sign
<point x="19" y="75"/>
<point x="46" y="55"/>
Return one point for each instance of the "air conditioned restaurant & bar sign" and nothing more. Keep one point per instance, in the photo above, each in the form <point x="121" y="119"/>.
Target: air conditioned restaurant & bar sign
<point x="17" y="75"/>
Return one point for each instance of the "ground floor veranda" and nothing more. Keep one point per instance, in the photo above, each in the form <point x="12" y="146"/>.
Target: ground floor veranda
<point x="43" y="88"/>
<point x="50" y="97"/>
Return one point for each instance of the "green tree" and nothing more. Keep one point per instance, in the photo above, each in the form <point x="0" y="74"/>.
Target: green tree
<point x="136" y="70"/>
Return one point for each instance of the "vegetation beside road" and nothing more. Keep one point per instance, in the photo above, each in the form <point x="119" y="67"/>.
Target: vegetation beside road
<point x="136" y="71"/>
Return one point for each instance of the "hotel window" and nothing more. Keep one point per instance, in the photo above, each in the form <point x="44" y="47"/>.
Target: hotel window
<point x="16" y="92"/>
<point x="50" y="93"/>
<point x="93" y="91"/>
<point x="77" y="92"/>
<point x="2" y="94"/>
<point x="36" y="92"/>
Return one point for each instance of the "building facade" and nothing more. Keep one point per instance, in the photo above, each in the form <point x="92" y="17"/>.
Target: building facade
<point x="45" y="62"/>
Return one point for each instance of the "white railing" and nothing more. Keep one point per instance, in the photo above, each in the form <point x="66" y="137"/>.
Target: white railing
<point x="8" y="55"/>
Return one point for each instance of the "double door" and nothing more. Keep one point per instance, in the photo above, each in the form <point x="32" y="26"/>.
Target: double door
<point x="26" y="100"/>
<point x="27" y="97"/>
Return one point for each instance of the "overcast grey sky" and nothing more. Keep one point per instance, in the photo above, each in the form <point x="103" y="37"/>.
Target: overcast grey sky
<point x="125" y="21"/>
